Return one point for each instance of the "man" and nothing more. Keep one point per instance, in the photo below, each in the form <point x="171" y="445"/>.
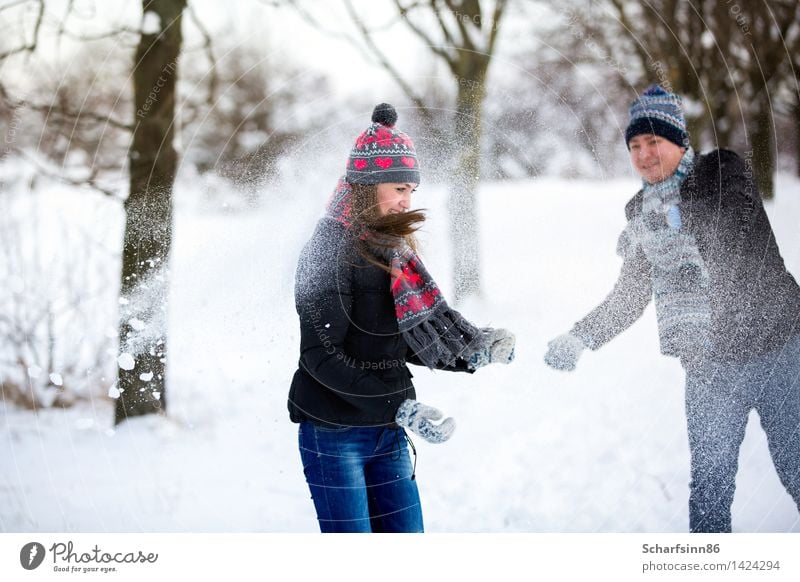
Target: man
<point x="699" y="243"/>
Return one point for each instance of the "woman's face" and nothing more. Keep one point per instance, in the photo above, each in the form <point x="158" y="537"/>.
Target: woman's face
<point x="394" y="198"/>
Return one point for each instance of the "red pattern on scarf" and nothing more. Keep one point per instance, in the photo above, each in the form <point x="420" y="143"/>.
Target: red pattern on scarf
<point x="413" y="289"/>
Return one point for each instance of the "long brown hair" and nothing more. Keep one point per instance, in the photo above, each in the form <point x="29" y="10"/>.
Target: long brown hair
<point x="383" y="232"/>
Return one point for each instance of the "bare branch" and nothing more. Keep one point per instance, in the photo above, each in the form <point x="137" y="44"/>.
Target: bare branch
<point x="37" y="27"/>
<point x="110" y="34"/>
<point x="79" y="115"/>
<point x="384" y="61"/>
<point x="778" y="52"/>
<point x="466" y="40"/>
<point x="644" y="56"/>
<point x="448" y="36"/>
<point x="13" y="4"/>
<point x="309" y="18"/>
<point x="90" y="180"/>
<point x="62" y="22"/>
<point x="366" y="35"/>
<point x="419" y="32"/>
<point x="499" y="10"/>
<point x="75" y="116"/>
<point x="208" y="45"/>
<point x="31" y="46"/>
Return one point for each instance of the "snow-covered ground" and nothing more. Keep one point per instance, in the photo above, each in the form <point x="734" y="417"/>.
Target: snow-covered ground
<point x="602" y="449"/>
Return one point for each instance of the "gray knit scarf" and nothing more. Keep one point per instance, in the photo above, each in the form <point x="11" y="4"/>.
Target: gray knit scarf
<point x="679" y="274"/>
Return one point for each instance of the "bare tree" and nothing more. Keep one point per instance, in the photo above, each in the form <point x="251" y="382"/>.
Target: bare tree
<point x="725" y="57"/>
<point x="763" y="63"/>
<point x="55" y="303"/>
<point x="54" y="346"/>
<point x="466" y="40"/>
<point x="243" y="131"/>
<point x="148" y="209"/>
<point x="462" y="35"/>
<point x="793" y="96"/>
<point x="796" y="118"/>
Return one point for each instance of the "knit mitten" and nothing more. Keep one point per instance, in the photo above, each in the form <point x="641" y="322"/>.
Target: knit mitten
<point x="500" y="349"/>
<point x="417" y="417"/>
<point x="563" y="352"/>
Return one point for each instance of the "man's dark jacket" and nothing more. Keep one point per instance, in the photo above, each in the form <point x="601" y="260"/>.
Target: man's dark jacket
<point x="755" y="302"/>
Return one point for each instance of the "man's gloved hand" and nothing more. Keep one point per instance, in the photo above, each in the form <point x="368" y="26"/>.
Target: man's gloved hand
<point x="500" y="349"/>
<point x="417" y="417"/>
<point x="563" y="352"/>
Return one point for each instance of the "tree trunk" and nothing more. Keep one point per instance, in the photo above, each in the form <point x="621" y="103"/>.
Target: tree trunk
<point x="462" y="198"/>
<point x="696" y="128"/>
<point x="762" y="140"/>
<point x="796" y="113"/>
<point x="148" y="210"/>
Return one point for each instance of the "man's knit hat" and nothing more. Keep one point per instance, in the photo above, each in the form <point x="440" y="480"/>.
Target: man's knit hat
<point x="383" y="153"/>
<point x="659" y="112"/>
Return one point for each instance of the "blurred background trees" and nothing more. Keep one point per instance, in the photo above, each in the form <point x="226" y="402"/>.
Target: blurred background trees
<point x="264" y="97"/>
<point x="729" y="59"/>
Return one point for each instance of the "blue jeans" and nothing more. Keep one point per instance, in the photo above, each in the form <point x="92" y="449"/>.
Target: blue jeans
<point x="360" y="479"/>
<point x="719" y="398"/>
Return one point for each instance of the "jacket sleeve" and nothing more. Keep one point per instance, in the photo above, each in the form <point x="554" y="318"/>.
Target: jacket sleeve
<point x="460" y="364"/>
<point x="623" y="306"/>
<point x="323" y="300"/>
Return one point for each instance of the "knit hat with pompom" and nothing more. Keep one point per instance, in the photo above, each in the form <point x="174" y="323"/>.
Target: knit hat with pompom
<point x="659" y="112"/>
<point x="383" y="153"/>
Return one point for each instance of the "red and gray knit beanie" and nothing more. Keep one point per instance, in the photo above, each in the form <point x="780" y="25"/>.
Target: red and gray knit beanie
<point x="383" y="153"/>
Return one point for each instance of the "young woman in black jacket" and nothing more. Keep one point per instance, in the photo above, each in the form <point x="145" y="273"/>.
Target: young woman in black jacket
<point x="367" y="307"/>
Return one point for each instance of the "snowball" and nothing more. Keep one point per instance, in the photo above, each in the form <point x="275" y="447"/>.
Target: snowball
<point x="56" y="379"/>
<point x="126" y="361"/>
<point x="146" y="377"/>
<point x="113" y="392"/>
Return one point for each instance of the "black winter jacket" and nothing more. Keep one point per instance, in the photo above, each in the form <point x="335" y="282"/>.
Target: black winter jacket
<point x="755" y="302"/>
<point x="352" y="369"/>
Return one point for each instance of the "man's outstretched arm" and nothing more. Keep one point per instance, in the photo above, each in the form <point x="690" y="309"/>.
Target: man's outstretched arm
<point x="618" y="311"/>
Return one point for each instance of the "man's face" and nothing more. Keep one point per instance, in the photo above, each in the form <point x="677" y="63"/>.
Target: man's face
<point x="654" y="157"/>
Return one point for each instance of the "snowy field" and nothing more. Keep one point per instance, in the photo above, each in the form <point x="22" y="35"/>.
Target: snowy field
<point x="602" y="449"/>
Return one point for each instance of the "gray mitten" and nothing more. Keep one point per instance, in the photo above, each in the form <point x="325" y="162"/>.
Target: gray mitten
<point x="563" y="352"/>
<point x="499" y="351"/>
<point x="417" y="417"/>
<point x="502" y="348"/>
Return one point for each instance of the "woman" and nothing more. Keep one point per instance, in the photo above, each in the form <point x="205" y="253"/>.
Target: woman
<point x="367" y="307"/>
